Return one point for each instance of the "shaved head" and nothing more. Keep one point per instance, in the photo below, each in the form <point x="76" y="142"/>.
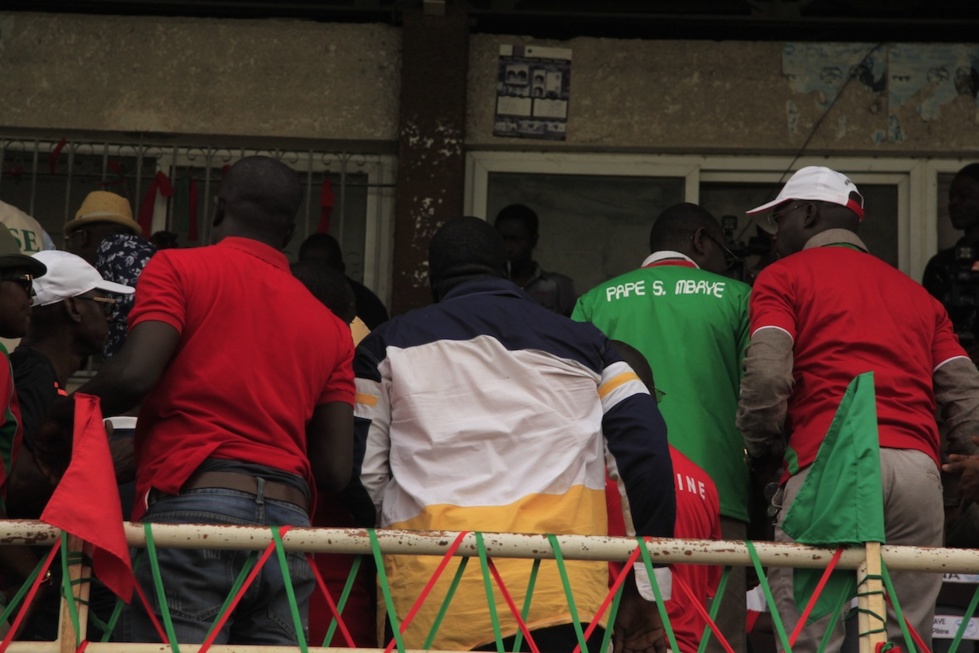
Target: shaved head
<point x="674" y="226"/>
<point x="259" y="197"/>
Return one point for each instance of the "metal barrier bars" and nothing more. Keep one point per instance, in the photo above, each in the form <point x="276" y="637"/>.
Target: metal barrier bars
<point x="496" y="545"/>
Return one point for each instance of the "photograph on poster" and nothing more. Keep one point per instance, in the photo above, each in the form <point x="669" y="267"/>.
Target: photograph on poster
<point x="533" y="90"/>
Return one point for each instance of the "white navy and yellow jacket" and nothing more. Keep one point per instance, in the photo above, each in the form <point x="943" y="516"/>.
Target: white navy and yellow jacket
<point x="487" y="412"/>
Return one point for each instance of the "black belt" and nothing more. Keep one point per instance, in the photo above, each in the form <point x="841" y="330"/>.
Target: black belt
<point x="244" y="483"/>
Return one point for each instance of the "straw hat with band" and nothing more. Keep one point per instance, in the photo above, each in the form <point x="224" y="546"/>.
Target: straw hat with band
<point x="101" y="206"/>
<point x="11" y="257"/>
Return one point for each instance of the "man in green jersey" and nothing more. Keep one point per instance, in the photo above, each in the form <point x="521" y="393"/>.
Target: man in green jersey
<point x="691" y="323"/>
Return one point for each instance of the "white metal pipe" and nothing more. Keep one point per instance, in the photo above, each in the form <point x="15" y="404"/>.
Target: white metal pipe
<point x="124" y="647"/>
<point x="509" y="545"/>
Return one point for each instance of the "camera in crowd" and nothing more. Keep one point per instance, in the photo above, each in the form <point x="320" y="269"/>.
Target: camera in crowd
<point x="963" y="298"/>
<point x="759" y="245"/>
<point x="965" y="281"/>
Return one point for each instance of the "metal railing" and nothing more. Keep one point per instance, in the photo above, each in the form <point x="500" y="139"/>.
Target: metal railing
<point x="495" y="545"/>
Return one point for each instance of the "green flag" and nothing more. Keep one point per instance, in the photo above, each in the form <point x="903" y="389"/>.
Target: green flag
<point x="841" y="501"/>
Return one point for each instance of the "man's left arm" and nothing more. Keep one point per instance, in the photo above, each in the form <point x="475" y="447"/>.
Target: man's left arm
<point x="330" y="430"/>
<point x="329" y="438"/>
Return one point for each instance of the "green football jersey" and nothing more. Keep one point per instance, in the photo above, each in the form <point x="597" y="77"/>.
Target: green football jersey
<point x="692" y="327"/>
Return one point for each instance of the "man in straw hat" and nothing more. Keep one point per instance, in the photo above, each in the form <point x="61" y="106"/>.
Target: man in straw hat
<point x="825" y="312"/>
<point x="105" y="234"/>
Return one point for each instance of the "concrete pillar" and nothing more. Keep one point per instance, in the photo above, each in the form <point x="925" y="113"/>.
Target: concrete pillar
<point x="431" y="134"/>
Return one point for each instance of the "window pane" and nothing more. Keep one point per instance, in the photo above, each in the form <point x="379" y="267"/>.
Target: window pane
<point x="592" y="227"/>
<point x="57" y="196"/>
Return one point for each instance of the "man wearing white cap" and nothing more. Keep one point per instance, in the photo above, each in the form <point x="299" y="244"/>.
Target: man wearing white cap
<point x="69" y="322"/>
<point x="825" y="312"/>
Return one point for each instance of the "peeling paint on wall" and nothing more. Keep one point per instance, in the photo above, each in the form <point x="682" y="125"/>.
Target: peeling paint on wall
<point x="922" y="78"/>
<point x="792" y="116"/>
<point x="823" y="68"/>
<point x="931" y="76"/>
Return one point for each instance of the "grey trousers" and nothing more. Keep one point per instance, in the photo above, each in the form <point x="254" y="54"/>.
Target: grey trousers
<point x="913" y="515"/>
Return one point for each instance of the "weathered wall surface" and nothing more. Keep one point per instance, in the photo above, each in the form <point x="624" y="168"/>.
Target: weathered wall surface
<point x="270" y="78"/>
<point x="700" y="96"/>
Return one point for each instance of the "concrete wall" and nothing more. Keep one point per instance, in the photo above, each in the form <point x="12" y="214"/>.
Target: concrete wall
<point x="297" y="79"/>
<point x="701" y="96"/>
<point x="270" y="78"/>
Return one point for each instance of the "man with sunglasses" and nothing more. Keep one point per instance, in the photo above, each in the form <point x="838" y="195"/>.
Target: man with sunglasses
<point x="69" y="323"/>
<point x="825" y="312"/>
<point x="17" y="274"/>
<point x="691" y="324"/>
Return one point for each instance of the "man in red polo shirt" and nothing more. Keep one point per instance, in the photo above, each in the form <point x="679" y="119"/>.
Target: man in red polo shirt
<point x="823" y="313"/>
<point x="246" y="384"/>
<point x="698" y="517"/>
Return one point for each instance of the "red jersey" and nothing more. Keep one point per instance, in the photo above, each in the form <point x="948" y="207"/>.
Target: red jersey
<point x="698" y="517"/>
<point x="257" y="353"/>
<point x="824" y="297"/>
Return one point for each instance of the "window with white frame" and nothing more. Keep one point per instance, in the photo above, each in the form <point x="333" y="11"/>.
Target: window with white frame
<point x="596" y="209"/>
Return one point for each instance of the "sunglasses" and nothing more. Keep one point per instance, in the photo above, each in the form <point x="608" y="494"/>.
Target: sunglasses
<point x="108" y="304"/>
<point x="775" y="216"/>
<point x="22" y="279"/>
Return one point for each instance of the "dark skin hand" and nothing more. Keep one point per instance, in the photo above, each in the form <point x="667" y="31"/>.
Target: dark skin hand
<point x="967" y="467"/>
<point x="638" y="627"/>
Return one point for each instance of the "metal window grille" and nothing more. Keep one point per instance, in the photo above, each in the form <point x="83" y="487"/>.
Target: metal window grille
<point x="174" y="185"/>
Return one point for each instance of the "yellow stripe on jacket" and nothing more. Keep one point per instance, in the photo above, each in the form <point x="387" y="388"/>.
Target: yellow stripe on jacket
<point x="467" y="623"/>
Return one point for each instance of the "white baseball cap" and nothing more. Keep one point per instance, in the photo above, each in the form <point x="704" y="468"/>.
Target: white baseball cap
<point x="821" y="184"/>
<point x="69" y="276"/>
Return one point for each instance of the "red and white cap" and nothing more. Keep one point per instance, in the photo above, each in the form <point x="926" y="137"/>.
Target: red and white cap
<point x="818" y="183"/>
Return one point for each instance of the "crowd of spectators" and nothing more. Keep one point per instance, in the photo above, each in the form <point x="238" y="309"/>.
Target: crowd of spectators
<point x="278" y="395"/>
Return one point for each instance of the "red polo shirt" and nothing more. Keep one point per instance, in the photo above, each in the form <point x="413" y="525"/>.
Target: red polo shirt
<point x="698" y="517"/>
<point x="257" y="353"/>
<point x="848" y="313"/>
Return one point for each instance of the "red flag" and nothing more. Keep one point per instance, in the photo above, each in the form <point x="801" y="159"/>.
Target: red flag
<point x="98" y="519"/>
<point x="326" y="206"/>
<point x="55" y="153"/>
<point x="161" y="184"/>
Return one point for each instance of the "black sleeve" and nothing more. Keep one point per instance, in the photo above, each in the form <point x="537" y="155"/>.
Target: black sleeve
<point x="34" y="382"/>
<point x="636" y="437"/>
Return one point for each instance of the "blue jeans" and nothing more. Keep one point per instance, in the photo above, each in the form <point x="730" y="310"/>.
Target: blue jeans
<point x="196" y="582"/>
